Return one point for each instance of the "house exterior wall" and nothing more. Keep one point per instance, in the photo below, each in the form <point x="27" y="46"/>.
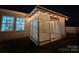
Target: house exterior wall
<point x="12" y="34"/>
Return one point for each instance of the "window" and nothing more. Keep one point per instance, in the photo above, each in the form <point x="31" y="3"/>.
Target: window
<point x="20" y="24"/>
<point x="7" y="23"/>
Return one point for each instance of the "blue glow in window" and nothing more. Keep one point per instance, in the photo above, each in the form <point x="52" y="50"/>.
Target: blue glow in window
<point x="20" y="24"/>
<point x="7" y="23"/>
<point x="3" y="20"/>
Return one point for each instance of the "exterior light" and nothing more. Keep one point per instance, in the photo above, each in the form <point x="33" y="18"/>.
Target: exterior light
<point x="67" y="19"/>
<point x="55" y="16"/>
<point x="39" y="12"/>
<point x="50" y="15"/>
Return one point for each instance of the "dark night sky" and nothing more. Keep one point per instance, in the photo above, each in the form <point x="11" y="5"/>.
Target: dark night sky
<point x="70" y="10"/>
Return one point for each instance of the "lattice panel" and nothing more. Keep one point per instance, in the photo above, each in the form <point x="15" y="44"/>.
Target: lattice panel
<point x="44" y="37"/>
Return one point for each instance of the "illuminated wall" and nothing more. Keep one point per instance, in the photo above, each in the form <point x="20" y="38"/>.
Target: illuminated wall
<point x="12" y="25"/>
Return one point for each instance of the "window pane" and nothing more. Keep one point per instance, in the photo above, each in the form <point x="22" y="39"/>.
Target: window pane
<point x="3" y="19"/>
<point x="10" y="27"/>
<point x="3" y="27"/>
<point x="10" y="19"/>
<point x="19" y="27"/>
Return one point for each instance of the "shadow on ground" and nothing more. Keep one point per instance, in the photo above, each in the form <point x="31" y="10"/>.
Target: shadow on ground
<point x="69" y="44"/>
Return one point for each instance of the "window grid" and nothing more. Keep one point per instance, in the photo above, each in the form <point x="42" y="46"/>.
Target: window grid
<point x="7" y="23"/>
<point x="20" y="24"/>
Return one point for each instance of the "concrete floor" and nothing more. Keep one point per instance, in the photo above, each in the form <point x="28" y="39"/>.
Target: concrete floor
<point x="25" y="45"/>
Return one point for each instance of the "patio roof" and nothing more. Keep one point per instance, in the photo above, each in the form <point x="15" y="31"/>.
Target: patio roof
<point x="47" y="10"/>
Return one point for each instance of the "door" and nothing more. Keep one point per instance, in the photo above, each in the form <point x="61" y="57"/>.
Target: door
<point x="34" y="31"/>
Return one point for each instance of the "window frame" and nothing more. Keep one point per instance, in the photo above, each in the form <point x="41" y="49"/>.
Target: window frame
<point x="20" y="24"/>
<point x="7" y="24"/>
